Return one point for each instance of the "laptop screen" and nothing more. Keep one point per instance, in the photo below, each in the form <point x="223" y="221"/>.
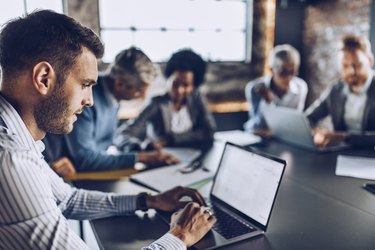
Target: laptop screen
<point x="248" y="182"/>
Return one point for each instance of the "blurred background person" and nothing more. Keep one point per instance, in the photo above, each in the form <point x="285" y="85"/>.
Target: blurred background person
<point x="178" y="118"/>
<point x="89" y="146"/>
<point x="351" y="102"/>
<point x="282" y="88"/>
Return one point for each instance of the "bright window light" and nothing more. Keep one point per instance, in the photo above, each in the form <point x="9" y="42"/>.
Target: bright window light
<point x="215" y="29"/>
<point x="16" y="8"/>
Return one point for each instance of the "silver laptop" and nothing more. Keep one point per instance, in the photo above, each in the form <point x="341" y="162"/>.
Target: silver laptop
<point x="242" y="195"/>
<point x="291" y="126"/>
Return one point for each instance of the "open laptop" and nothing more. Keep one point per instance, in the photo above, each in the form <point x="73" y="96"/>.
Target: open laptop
<point x="242" y="195"/>
<point x="291" y="126"/>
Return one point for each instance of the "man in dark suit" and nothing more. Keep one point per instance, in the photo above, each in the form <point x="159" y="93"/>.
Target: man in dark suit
<point x="350" y="102"/>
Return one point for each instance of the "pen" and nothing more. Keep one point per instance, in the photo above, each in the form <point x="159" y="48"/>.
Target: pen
<point x="191" y="167"/>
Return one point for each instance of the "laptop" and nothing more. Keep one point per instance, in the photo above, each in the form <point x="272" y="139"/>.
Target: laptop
<point x="242" y="196"/>
<point x="291" y="126"/>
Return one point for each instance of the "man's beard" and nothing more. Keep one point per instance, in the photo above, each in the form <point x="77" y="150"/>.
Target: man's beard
<point x="52" y="113"/>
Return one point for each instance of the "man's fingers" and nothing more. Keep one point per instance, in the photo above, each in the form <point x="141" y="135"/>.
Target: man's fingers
<point x="195" y="195"/>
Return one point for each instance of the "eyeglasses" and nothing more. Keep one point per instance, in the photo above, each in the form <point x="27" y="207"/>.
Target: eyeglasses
<point x="285" y="73"/>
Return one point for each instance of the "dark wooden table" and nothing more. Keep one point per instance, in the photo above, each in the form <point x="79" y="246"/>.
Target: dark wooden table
<point x="315" y="209"/>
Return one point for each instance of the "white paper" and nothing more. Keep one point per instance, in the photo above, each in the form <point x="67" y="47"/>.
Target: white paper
<point x="237" y="137"/>
<point x="165" y="178"/>
<point x="130" y="188"/>
<point x="355" y="166"/>
<point x="183" y="154"/>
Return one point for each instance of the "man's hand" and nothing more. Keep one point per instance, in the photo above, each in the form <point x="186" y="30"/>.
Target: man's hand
<point x="170" y="200"/>
<point x="156" y="158"/>
<point x="191" y="223"/>
<point x="264" y="133"/>
<point x="63" y="167"/>
<point x="265" y="92"/>
<point x="323" y="137"/>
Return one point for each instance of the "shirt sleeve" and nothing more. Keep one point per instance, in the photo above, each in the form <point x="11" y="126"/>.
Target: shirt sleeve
<point x="167" y="242"/>
<point x="302" y="94"/>
<point x="29" y="217"/>
<point x="80" y="204"/>
<point x="84" y="151"/>
<point x="34" y="202"/>
<point x="319" y="109"/>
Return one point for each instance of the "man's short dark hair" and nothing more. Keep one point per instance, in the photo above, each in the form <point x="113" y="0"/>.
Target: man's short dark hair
<point x="45" y="36"/>
<point x="353" y="42"/>
<point x="187" y="60"/>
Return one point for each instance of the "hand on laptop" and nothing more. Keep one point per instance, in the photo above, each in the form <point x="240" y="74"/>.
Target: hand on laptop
<point x="191" y="223"/>
<point x="156" y="158"/>
<point x="171" y="200"/>
<point x="323" y="137"/>
<point x="264" y="133"/>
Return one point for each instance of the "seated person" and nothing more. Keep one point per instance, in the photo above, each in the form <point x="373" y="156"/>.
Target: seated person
<point x="350" y="102"/>
<point x="283" y="88"/>
<point x="87" y="146"/>
<point x="49" y="64"/>
<point x="178" y="118"/>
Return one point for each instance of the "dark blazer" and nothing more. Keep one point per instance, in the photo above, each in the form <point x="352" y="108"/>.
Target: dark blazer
<point x="332" y="103"/>
<point x="200" y="136"/>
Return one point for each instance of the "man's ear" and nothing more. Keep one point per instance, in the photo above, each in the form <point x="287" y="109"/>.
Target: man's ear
<point x="371" y="59"/>
<point x="44" y="77"/>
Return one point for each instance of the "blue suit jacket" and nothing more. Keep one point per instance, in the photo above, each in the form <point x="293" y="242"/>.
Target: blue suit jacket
<point x="93" y="133"/>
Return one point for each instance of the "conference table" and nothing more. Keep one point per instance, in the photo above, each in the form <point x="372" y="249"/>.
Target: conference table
<point x="315" y="208"/>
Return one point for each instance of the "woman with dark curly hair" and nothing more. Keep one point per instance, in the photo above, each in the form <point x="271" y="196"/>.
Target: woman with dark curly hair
<point x="178" y="118"/>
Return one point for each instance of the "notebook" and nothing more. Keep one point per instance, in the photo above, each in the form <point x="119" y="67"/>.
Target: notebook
<point x="242" y="196"/>
<point x="238" y="137"/>
<point x="291" y="126"/>
<point x="167" y="177"/>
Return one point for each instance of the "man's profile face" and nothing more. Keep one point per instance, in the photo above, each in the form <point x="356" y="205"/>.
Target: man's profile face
<point x="355" y="67"/>
<point x="58" y="111"/>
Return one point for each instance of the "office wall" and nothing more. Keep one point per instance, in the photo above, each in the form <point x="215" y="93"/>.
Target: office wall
<point x="325" y="23"/>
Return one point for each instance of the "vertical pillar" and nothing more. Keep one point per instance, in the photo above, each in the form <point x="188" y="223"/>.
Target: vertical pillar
<point x="85" y="11"/>
<point x="263" y="34"/>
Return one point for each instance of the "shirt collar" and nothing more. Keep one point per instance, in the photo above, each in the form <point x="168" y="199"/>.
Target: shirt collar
<point x="17" y="127"/>
<point x="292" y="85"/>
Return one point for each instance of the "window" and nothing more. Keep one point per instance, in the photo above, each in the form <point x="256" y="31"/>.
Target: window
<point x="218" y="30"/>
<point x="16" y="8"/>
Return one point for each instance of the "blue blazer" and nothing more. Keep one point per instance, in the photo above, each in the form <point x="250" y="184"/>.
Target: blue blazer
<point x="92" y="134"/>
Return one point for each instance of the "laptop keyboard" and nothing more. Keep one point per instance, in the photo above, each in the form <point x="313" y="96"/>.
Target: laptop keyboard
<point x="228" y="226"/>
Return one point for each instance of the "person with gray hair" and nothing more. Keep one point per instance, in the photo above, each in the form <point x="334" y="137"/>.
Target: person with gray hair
<point x="90" y="145"/>
<point x="282" y="88"/>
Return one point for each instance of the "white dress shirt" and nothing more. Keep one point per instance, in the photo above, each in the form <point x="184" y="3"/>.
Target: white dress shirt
<point x="35" y="203"/>
<point x="355" y="106"/>
<point x="181" y="121"/>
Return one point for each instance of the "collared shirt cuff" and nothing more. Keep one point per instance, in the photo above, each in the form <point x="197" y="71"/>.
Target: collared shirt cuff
<point x="126" y="204"/>
<point x="170" y="242"/>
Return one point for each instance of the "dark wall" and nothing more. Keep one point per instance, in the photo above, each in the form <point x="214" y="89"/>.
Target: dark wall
<point x="372" y="27"/>
<point x="289" y="25"/>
